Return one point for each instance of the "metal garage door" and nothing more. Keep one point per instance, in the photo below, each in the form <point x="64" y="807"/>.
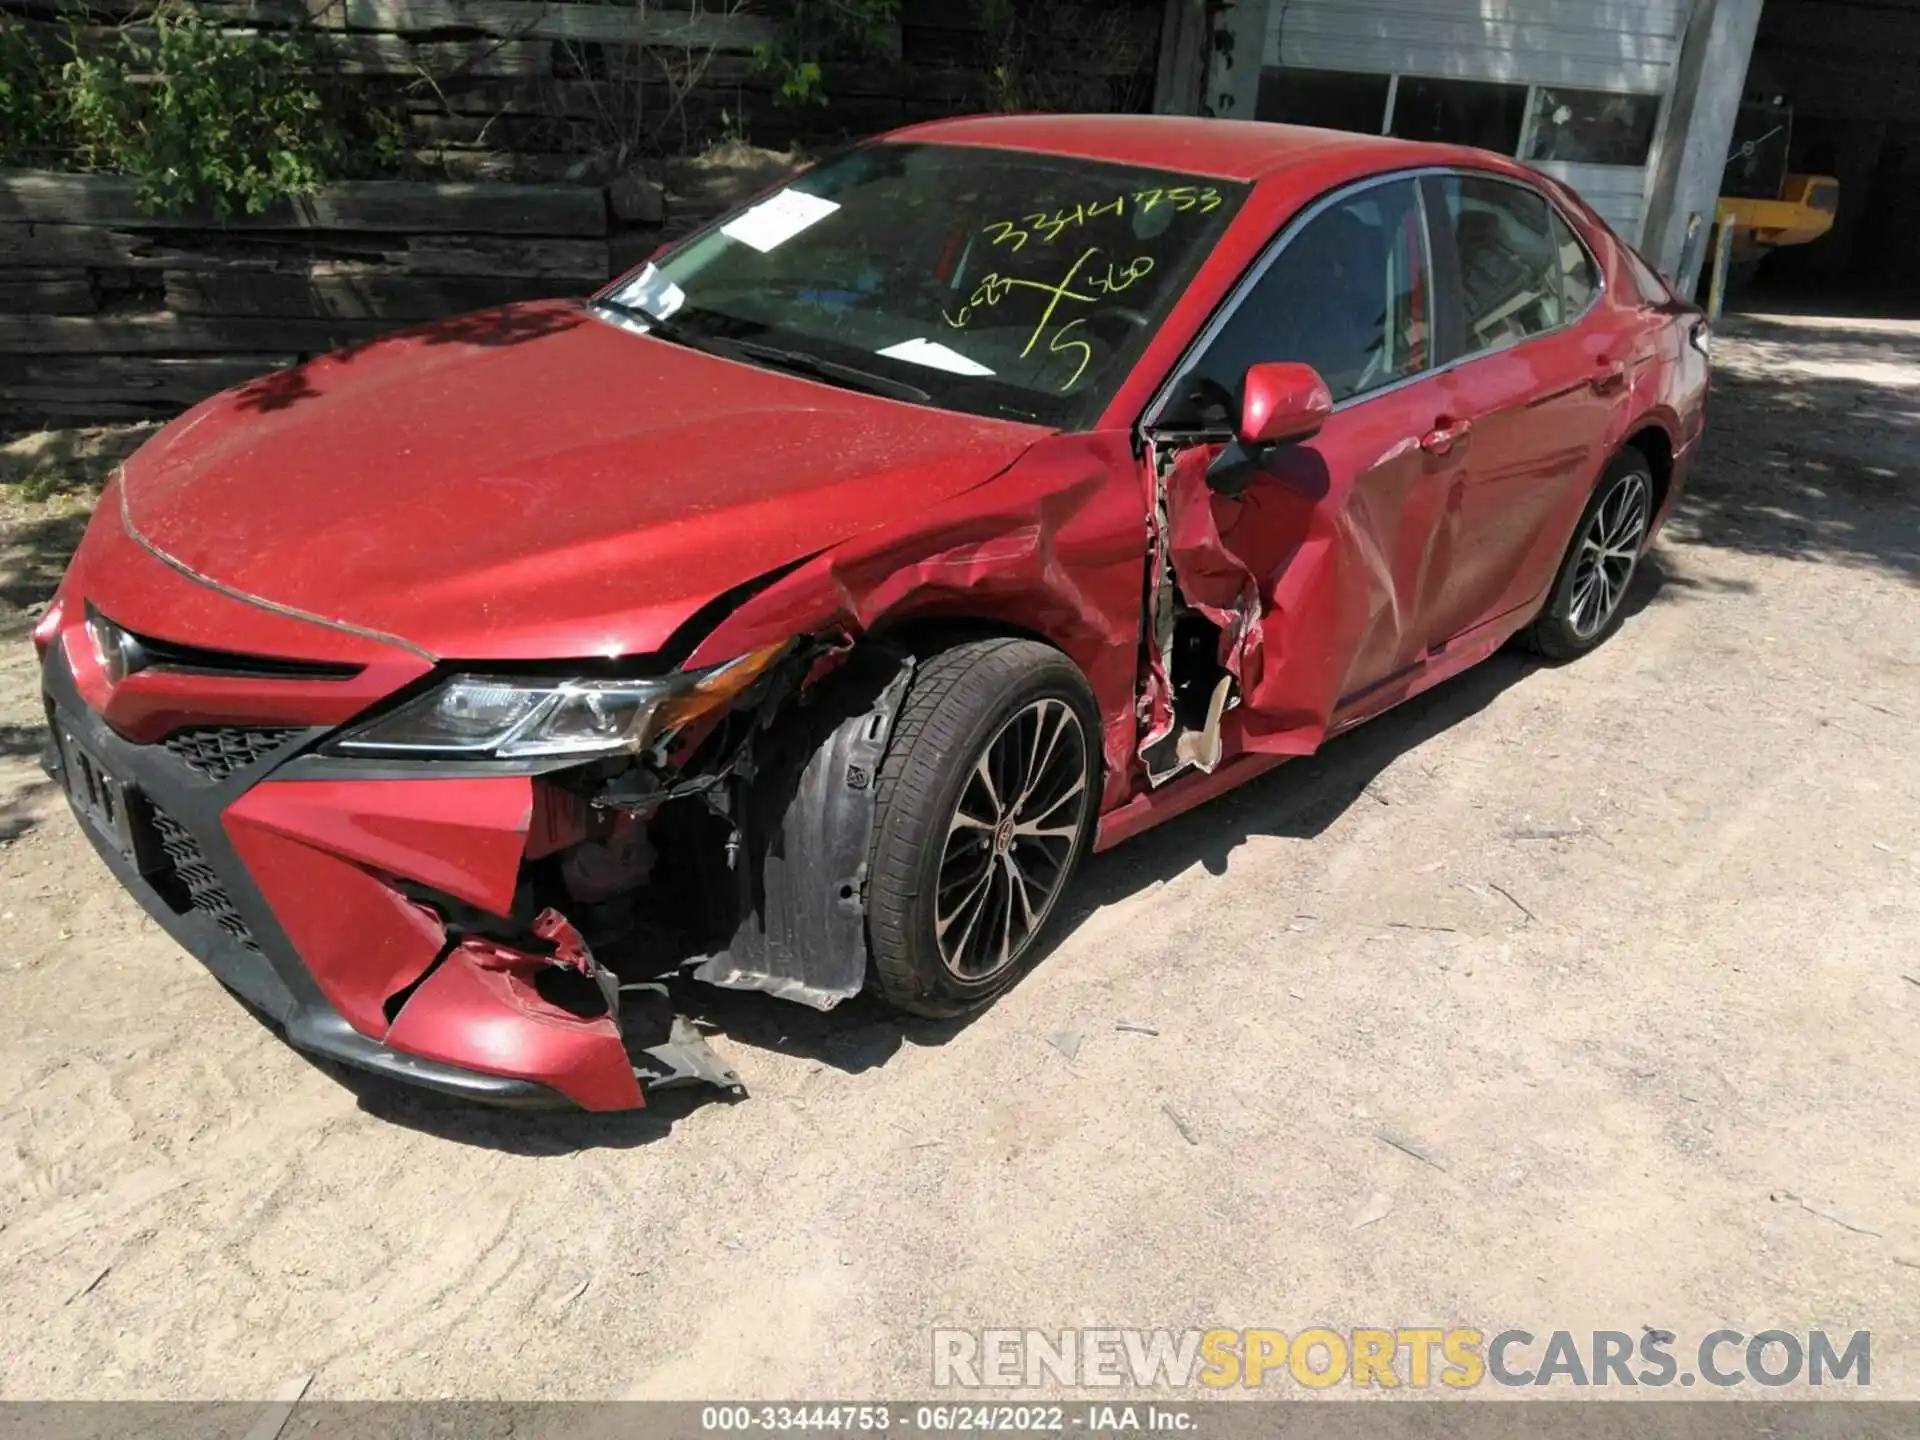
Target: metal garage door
<point x="1577" y="88"/>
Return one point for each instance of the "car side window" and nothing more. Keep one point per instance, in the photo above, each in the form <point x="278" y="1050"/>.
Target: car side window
<point x="1347" y="294"/>
<point x="1509" y="263"/>
<point x="1578" y="279"/>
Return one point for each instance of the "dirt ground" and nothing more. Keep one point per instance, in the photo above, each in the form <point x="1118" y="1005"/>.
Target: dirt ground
<point x="1630" y="950"/>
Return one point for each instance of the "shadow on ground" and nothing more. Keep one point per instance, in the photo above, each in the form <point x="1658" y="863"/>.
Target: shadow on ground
<point x="1812" y="449"/>
<point x="48" y="483"/>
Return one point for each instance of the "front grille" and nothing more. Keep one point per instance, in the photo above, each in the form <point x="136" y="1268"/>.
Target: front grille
<point x="189" y="883"/>
<point x="150" y="652"/>
<point x="216" y="751"/>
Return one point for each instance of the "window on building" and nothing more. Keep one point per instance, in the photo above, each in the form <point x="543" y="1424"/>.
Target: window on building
<point x="1578" y="279"/>
<point x="1510" y="266"/>
<point x="1348" y="295"/>
<point x="1331" y="99"/>
<point x="1757" y="163"/>
<point x="1460" y="112"/>
<point x="1591" y="127"/>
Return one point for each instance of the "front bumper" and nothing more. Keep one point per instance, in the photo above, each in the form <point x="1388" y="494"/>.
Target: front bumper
<point x="283" y="888"/>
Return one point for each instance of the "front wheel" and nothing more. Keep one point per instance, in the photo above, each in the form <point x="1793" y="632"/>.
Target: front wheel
<point x="985" y="805"/>
<point x="1585" y="602"/>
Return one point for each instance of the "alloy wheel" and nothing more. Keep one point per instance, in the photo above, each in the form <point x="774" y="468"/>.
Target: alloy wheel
<point x="1011" y="840"/>
<point x="1609" y="551"/>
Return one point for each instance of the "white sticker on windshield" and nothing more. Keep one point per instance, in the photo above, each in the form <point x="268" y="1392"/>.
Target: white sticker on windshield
<point x="778" y="219"/>
<point x="935" y="356"/>
<point x="652" y="292"/>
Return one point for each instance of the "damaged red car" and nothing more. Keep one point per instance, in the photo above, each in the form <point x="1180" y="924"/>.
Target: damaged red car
<point x="795" y="614"/>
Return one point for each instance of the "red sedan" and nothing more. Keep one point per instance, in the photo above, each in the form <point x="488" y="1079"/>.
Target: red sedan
<point x="799" y="611"/>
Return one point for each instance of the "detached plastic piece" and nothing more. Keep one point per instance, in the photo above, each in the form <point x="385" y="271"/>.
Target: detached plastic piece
<point x="807" y="832"/>
<point x="481" y="1009"/>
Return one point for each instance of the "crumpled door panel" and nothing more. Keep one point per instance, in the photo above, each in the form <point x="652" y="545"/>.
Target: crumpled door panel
<point x="1316" y="562"/>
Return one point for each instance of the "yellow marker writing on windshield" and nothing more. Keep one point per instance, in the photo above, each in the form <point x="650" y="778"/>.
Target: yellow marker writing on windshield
<point x="1056" y="294"/>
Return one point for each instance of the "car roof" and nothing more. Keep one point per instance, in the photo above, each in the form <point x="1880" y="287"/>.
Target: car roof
<point x="1222" y="149"/>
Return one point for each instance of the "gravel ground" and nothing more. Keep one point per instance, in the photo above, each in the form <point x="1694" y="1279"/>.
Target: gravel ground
<point x="1627" y="950"/>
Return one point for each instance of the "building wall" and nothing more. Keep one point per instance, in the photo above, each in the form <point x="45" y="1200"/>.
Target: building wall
<point x="1617" y="46"/>
<point x="1596" y="44"/>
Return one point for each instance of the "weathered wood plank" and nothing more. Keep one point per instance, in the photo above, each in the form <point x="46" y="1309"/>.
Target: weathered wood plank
<point x="163" y="334"/>
<point x="441" y="59"/>
<point x="69" y="295"/>
<point x="344" y="53"/>
<point x="496" y="166"/>
<point x="544" y="97"/>
<point x="396" y="298"/>
<point x="887" y="78"/>
<point x="169" y="334"/>
<point x="710" y="27"/>
<point x="15" y="414"/>
<point x="32" y="246"/>
<point x="488" y="255"/>
<point x="88" y="246"/>
<point x="509" y="133"/>
<point x="129" y="379"/>
<point x="408" y="206"/>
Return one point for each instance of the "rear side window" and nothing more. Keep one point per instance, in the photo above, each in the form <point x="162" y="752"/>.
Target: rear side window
<point x="1348" y="294"/>
<point x="1578" y="280"/>
<point x="1509" y="262"/>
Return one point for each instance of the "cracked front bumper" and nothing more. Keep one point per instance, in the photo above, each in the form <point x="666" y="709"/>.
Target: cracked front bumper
<point x="284" y="889"/>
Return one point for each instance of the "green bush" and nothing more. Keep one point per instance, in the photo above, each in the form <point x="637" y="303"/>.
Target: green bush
<point x="815" y="29"/>
<point x="29" y="123"/>
<point x="201" y="117"/>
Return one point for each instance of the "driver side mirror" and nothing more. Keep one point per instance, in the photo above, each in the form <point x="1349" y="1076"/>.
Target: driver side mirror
<point x="1282" y="401"/>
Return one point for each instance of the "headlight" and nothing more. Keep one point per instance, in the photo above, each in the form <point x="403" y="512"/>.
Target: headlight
<point x="505" y="717"/>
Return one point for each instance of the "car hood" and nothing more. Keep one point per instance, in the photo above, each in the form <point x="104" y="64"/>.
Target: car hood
<point x="534" y="483"/>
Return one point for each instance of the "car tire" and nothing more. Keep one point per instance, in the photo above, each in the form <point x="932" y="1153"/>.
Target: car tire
<point x="947" y="930"/>
<point x="1589" y="592"/>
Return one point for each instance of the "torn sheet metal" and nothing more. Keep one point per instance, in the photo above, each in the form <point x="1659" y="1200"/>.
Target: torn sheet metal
<point x="1297" y="575"/>
<point x="570" y="950"/>
<point x="1050" y="546"/>
<point x="806" y="827"/>
<point x="1154" y="703"/>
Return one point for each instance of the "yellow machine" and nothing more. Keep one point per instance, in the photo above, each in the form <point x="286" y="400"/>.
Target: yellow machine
<point x="1803" y="212"/>
<point x="1760" y="203"/>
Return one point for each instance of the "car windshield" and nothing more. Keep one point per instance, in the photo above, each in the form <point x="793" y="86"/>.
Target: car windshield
<point x="992" y="281"/>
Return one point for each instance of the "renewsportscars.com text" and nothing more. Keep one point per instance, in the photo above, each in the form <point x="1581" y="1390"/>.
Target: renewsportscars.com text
<point x="1418" y="1357"/>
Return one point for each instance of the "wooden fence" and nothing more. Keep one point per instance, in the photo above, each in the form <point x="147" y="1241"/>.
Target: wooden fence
<point x="110" y="313"/>
<point x="532" y="107"/>
<point x="538" y="89"/>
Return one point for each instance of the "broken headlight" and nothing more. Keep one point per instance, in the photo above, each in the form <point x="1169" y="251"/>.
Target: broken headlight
<point x="511" y="718"/>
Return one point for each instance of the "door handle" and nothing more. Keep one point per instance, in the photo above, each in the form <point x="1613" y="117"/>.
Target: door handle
<point x="1445" y="435"/>
<point x="1610" y="377"/>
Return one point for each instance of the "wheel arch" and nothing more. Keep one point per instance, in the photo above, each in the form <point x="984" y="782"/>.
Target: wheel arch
<point x="1655" y="444"/>
<point x="921" y="607"/>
